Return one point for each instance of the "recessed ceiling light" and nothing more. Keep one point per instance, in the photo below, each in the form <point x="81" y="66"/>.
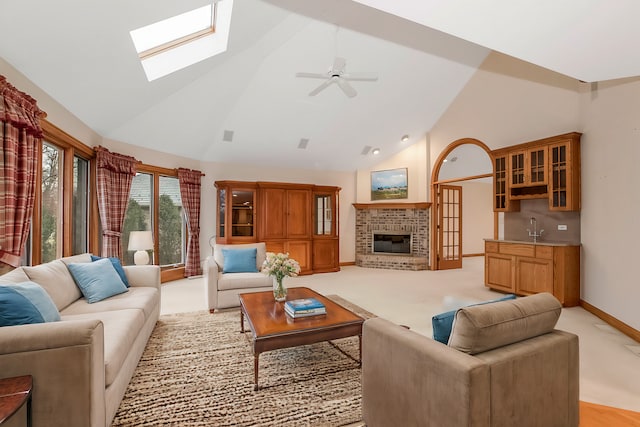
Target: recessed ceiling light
<point x="404" y="138"/>
<point x="375" y="151"/>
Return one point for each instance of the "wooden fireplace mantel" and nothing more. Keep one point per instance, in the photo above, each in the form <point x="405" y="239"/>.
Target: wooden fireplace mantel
<point x="395" y="205"/>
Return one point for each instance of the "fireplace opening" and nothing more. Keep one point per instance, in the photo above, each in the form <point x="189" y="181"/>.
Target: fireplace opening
<point x="391" y="243"/>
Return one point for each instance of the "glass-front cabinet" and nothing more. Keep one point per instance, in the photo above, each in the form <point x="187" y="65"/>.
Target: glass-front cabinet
<point x="326" y="244"/>
<point x="236" y="218"/>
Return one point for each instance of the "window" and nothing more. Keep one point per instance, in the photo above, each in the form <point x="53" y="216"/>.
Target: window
<point x="171" y="223"/>
<point x="51" y="203"/>
<point x="183" y="40"/>
<point x="155" y="204"/>
<point x="80" y="206"/>
<point x="63" y="214"/>
<point x="138" y="216"/>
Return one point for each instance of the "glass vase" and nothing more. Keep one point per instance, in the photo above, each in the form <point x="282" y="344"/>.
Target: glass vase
<point x="279" y="290"/>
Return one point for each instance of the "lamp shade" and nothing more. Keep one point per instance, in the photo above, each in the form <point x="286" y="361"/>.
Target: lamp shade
<point x="140" y="241"/>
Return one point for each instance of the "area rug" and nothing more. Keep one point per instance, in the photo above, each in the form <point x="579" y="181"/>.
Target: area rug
<point x="197" y="370"/>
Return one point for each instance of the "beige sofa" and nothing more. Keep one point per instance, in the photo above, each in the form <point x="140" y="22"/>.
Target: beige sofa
<point x="82" y="364"/>
<point x="222" y="289"/>
<point x="504" y="365"/>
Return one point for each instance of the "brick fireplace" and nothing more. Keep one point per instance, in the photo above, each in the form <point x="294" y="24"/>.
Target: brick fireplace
<point x="394" y="219"/>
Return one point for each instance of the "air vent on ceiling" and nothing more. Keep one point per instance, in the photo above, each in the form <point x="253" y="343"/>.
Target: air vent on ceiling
<point x="303" y="143"/>
<point x="228" y="136"/>
<point x="365" y="150"/>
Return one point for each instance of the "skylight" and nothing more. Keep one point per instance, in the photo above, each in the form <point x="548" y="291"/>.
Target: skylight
<point x="182" y="40"/>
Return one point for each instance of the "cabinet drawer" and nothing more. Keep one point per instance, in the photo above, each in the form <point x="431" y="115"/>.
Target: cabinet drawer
<point x="521" y="249"/>
<point x="545" y="252"/>
<point x="491" y="247"/>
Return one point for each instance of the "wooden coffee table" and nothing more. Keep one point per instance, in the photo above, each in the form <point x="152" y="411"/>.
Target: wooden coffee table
<point x="272" y="328"/>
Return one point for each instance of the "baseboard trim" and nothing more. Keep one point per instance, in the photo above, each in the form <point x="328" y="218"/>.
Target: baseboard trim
<point x="619" y="325"/>
<point x="344" y="264"/>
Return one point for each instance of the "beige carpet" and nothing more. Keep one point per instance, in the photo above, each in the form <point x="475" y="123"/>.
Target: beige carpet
<point x="197" y="370"/>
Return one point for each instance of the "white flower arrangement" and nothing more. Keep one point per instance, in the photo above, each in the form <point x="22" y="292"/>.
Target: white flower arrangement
<point x="280" y="266"/>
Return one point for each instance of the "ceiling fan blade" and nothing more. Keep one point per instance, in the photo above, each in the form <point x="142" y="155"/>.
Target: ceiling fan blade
<point x="346" y="88"/>
<point x="312" y="75"/>
<point x="362" y="77"/>
<point x="338" y="65"/>
<point x="321" y="87"/>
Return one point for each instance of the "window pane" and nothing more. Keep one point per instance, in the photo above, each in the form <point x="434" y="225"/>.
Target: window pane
<point x="80" y="225"/>
<point x="171" y="225"/>
<point x="138" y="216"/>
<point x="52" y="159"/>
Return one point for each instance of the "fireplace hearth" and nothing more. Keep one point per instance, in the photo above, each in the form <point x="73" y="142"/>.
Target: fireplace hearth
<point x="393" y="236"/>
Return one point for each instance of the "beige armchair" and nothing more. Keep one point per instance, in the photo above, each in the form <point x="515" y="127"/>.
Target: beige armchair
<point x="222" y="289"/>
<point x="504" y="365"/>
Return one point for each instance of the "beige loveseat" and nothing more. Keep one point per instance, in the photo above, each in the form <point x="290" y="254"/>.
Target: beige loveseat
<point x="82" y="364"/>
<point x="222" y="289"/>
<point x="504" y="365"/>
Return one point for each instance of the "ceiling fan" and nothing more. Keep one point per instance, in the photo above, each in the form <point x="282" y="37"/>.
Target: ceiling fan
<point x="339" y="76"/>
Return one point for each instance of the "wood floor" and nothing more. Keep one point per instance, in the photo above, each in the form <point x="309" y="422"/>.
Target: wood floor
<point x="592" y="415"/>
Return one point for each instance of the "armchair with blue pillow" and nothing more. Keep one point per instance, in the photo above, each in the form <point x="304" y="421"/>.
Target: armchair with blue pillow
<point x="232" y="270"/>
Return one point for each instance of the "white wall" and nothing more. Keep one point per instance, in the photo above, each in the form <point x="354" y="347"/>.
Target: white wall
<point x="611" y="198"/>
<point x="415" y="159"/>
<point x="477" y="215"/>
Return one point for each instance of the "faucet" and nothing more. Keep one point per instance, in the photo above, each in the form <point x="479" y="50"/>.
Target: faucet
<point x="535" y="234"/>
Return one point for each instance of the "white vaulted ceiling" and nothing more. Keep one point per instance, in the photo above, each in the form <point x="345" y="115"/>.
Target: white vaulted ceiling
<point x="81" y="54"/>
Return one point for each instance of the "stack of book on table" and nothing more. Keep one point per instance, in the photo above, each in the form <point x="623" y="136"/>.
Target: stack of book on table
<point x="304" y="307"/>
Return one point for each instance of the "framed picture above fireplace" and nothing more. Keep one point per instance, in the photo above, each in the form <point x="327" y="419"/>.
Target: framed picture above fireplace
<point x="389" y="184"/>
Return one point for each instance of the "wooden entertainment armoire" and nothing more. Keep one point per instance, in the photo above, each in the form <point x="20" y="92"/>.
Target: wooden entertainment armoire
<point x="301" y="219"/>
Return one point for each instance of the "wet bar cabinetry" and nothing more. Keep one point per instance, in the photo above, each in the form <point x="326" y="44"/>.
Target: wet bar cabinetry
<point x="526" y="268"/>
<point x="548" y="168"/>
<point x="300" y="219"/>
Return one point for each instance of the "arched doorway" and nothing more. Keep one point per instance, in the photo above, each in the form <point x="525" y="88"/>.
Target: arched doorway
<point x="461" y="163"/>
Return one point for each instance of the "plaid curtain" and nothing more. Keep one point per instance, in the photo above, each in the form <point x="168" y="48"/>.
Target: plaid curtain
<point x="114" y="175"/>
<point x="190" y="194"/>
<point x="20" y="137"/>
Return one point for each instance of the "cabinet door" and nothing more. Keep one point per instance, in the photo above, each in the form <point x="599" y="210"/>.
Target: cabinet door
<point x="242" y="214"/>
<point x="325" y="255"/>
<point x="273" y="214"/>
<point x="536" y="166"/>
<point x="301" y="252"/>
<point x="499" y="271"/>
<point x="534" y="275"/>
<point x="564" y="176"/>
<point x="298" y="221"/>
<point x="517" y="175"/>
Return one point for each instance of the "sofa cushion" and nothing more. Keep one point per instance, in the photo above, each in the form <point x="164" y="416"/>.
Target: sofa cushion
<point x="144" y="298"/>
<point x="14" y="276"/>
<point x="55" y="278"/>
<point x="243" y="280"/>
<point x="442" y="323"/>
<point x="117" y="265"/>
<point x="97" y="280"/>
<point x="26" y="303"/>
<point x="481" y="328"/>
<point x="261" y="253"/>
<point x="239" y="260"/>
<point x="121" y="329"/>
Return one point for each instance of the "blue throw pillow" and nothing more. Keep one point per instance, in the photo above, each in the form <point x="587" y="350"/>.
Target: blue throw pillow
<point x="26" y="303"/>
<point x="97" y="280"/>
<point x="442" y="323"/>
<point x="117" y="265"/>
<point x="239" y="260"/>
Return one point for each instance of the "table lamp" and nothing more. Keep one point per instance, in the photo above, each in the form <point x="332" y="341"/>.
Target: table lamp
<point x="140" y="241"/>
